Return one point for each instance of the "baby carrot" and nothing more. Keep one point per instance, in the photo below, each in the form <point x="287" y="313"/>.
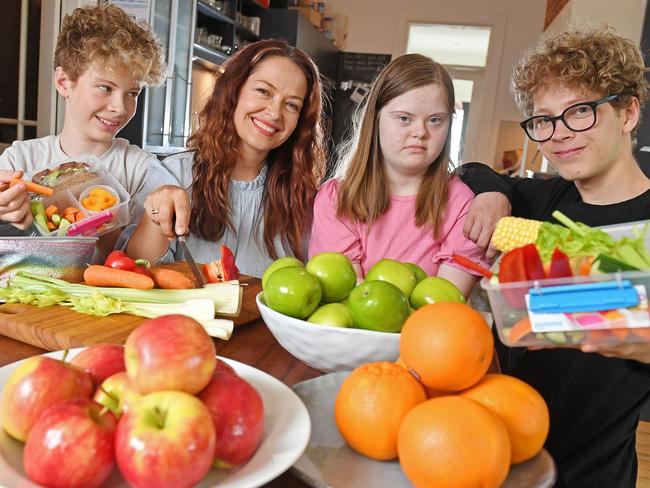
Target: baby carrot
<point x="171" y="280"/>
<point x="33" y="187"/>
<point x="98" y="275"/>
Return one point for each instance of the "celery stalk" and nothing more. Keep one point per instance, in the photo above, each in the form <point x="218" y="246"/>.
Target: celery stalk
<point x="226" y="296"/>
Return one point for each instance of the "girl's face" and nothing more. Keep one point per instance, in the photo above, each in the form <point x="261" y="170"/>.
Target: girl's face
<point x="413" y="128"/>
<point x="269" y="106"/>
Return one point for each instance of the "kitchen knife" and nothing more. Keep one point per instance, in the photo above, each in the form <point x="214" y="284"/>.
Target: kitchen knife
<point x="200" y="281"/>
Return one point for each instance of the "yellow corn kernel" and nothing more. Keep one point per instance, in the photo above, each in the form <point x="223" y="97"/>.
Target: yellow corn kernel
<point x="513" y="232"/>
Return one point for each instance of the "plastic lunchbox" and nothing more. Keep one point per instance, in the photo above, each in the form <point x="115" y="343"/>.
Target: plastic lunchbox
<point x="94" y="222"/>
<point x="601" y="309"/>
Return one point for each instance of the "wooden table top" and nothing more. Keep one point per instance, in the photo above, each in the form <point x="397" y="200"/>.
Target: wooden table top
<point x="251" y="343"/>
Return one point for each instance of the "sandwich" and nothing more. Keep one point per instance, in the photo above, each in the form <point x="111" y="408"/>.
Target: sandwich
<point x="64" y="176"/>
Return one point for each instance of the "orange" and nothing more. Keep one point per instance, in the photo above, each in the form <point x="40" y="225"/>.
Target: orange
<point x="429" y="392"/>
<point x="448" y="345"/>
<point x="521" y="408"/>
<point x="454" y="442"/>
<point x="371" y="404"/>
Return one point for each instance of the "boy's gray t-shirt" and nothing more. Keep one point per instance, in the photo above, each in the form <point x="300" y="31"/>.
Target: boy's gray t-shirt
<point x="246" y="241"/>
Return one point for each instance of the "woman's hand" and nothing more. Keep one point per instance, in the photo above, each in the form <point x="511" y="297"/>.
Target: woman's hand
<point x="169" y="208"/>
<point x="484" y="213"/>
<point x="14" y="201"/>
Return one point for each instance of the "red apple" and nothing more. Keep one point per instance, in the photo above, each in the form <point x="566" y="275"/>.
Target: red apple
<point x="117" y="393"/>
<point x="238" y="414"/>
<point x="165" y="440"/>
<point x="171" y="352"/>
<point x="35" y="385"/>
<point x="71" y="445"/>
<point x="101" y="361"/>
<point x="224" y="367"/>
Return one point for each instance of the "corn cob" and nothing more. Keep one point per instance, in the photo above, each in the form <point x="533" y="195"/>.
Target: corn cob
<point x="513" y="232"/>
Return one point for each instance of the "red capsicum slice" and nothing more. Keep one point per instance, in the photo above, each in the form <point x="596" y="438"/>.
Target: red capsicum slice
<point x="560" y="265"/>
<point x="119" y="260"/>
<point x="533" y="263"/>
<point x="520" y="264"/>
<point x="223" y="269"/>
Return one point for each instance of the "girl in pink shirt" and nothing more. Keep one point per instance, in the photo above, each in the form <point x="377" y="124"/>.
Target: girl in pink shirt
<point x="393" y="195"/>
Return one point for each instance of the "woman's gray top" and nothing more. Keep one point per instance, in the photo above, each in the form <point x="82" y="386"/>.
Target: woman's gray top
<point x="245" y="241"/>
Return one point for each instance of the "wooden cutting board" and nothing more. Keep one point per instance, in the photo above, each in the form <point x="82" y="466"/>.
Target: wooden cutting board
<point x="58" y="327"/>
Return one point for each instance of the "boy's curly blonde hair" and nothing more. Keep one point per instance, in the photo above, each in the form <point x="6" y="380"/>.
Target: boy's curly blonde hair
<point x="108" y="35"/>
<point x="596" y="60"/>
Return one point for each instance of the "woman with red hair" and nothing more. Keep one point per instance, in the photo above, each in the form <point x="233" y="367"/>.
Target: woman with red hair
<point x="250" y="175"/>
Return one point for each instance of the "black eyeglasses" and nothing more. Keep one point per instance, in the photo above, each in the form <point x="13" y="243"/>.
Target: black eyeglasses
<point x="578" y="118"/>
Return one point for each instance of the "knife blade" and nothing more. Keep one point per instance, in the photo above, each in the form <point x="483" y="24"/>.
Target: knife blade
<point x="190" y="261"/>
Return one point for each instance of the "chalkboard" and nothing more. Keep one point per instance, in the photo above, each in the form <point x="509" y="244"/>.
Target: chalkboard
<point x="355" y="74"/>
<point x="361" y="66"/>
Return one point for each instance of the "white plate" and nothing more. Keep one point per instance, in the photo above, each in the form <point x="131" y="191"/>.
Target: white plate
<point x="286" y="432"/>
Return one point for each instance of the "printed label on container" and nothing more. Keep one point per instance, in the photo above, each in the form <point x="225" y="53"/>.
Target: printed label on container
<point x="633" y="317"/>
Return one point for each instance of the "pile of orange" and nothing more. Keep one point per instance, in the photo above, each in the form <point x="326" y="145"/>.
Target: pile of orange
<point x="449" y="422"/>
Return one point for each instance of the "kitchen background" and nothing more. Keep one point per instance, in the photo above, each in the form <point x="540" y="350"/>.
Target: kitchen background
<point x="350" y="40"/>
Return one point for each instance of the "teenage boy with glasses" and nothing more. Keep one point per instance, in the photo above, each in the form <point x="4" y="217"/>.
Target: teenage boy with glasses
<point x="582" y="93"/>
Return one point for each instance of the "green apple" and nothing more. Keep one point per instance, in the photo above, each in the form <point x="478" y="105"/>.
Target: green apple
<point x="335" y="273"/>
<point x="293" y="291"/>
<point x="378" y="305"/>
<point x="285" y="262"/>
<point x="332" y="314"/>
<point x="393" y="272"/>
<point x="419" y="273"/>
<point x="434" y="289"/>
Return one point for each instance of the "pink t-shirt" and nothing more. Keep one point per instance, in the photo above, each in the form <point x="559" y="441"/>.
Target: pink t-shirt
<point x="394" y="235"/>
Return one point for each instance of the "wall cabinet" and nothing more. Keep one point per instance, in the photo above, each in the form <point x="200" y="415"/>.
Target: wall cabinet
<point x="201" y="31"/>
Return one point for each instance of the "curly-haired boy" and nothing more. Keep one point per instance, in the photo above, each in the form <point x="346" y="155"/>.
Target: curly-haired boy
<point x="581" y="93"/>
<point x="103" y="59"/>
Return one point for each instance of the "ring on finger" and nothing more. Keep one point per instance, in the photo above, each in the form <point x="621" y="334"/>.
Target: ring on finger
<point x="155" y="211"/>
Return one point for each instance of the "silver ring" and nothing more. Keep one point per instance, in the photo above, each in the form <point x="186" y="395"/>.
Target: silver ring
<point x="155" y="211"/>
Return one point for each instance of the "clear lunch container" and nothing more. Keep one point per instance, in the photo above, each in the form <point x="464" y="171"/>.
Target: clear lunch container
<point x="92" y="222"/>
<point x="600" y="309"/>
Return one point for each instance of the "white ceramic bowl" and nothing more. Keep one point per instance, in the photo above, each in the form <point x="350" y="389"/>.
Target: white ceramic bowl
<point x="329" y="348"/>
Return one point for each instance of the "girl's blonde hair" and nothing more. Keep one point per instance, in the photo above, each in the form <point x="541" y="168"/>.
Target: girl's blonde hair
<point x="363" y="192"/>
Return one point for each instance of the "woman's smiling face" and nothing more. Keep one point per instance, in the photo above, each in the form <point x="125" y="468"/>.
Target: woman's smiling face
<point x="269" y="106"/>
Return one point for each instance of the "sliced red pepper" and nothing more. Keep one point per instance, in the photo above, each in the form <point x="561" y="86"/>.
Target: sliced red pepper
<point x="513" y="266"/>
<point x="223" y="269"/>
<point x="560" y="265"/>
<point x="533" y="263"/>
<point x="520" y="264"/>
<point x="119" y="260"/>
<point x="142" y="266"/>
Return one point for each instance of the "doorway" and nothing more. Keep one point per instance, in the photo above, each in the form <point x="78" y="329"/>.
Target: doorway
<point x="463" y="51"/>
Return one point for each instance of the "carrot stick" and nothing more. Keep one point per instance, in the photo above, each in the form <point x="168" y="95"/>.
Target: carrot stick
<point x="520" y="330"/>
<point x="171" y="280"/>
<point x="33" y="187"/>
<point x="51" y="210"/>
<point x="469" y="264"/>
<point x="98" y="275"/>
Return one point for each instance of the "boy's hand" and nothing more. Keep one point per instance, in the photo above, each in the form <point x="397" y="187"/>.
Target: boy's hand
<point x="169" y="208"/>
<point x="637" y="352"/>
<point x="14" y="201"/>
<point x="484" y="213"/>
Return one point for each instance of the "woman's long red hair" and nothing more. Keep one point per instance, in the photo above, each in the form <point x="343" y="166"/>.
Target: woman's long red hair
<point x="294" y="169"/>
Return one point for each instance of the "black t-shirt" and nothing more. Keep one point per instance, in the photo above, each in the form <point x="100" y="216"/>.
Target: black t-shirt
<point x="594" y="401"/>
